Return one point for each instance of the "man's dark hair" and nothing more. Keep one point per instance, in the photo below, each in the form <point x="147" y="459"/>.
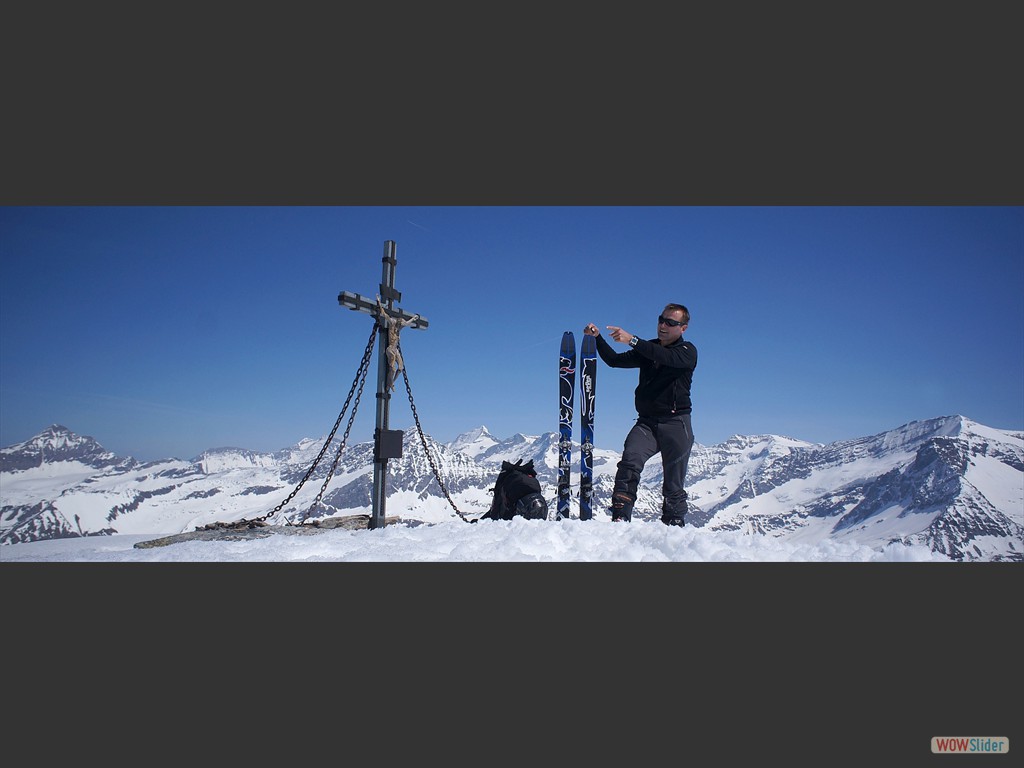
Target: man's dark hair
<point x="679" y="308"/>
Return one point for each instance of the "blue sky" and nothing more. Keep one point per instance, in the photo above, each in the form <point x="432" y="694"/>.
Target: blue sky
<point x="164" y="331"/>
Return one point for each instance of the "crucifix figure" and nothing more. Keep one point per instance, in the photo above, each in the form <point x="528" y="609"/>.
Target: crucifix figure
<point x="387" y="443"/>
<point x="394" y="325"/>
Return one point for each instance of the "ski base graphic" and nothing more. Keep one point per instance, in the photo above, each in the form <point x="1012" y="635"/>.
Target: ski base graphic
<point x="566" y="397"/>
<point x="588" y="388"/>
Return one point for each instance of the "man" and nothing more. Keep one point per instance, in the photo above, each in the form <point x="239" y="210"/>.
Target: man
<point x="662" y="400"/>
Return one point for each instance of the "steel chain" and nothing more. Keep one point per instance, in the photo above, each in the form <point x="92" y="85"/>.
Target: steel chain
<point x="360" y="377"/>
<point x="359" y="381"/>
<point x="423" y="440"/>
<point x="341" y="447"/>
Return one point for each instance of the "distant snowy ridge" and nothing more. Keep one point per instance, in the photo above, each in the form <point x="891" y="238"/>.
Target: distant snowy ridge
<point x="57" y="444"/>
<point x="950" y="484"/>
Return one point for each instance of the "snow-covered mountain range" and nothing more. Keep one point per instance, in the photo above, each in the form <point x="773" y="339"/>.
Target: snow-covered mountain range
<point x="949" y="483"/>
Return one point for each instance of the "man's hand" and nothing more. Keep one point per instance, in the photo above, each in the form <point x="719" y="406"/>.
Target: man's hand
<point x="620" y="335"/>
<point x="591" y="330"/>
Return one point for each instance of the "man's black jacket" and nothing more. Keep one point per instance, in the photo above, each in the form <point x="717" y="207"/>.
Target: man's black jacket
<point x="665" y="374"/>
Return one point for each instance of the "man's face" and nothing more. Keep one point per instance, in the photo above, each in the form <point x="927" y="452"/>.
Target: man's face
<point x="668" y="332"/>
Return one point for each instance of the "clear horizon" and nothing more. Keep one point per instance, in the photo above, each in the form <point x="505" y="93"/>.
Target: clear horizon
<point x="166" y="331"/>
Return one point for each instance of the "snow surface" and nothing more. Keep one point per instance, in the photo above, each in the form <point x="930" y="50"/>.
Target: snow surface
<point x="517" y="540"/>
<point x="1000" y="483"/>
<point x="26" y="486"/>
<point x="781" y="523"/>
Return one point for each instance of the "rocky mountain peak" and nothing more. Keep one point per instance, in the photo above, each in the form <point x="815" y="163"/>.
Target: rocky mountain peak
<point x="55" y="444"/>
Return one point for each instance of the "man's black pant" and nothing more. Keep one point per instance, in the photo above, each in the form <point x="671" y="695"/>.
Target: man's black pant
<point x="672" y="436"/>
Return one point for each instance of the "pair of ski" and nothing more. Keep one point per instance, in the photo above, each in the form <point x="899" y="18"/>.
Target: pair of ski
<point x="566" y="405"/>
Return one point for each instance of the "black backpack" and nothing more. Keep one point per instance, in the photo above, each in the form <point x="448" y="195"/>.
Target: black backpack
<point x="517" y="492"/>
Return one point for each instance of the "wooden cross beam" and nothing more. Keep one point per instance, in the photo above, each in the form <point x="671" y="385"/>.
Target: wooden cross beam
<point x="387" y="443"/>
<point x="369" y="306"/>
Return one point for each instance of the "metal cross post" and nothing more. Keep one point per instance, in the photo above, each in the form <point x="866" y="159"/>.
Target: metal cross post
<point x="387" y="443"/>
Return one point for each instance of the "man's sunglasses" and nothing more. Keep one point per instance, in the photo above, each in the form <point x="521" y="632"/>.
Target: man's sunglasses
<point x="662" y="320"/>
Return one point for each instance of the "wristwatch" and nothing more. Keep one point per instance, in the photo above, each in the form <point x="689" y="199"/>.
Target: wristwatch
<point x="633" y="340"/>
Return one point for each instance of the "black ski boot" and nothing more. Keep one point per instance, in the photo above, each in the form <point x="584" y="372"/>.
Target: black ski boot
<point x="622" y="507"/>
<point x="674" y="518"/>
